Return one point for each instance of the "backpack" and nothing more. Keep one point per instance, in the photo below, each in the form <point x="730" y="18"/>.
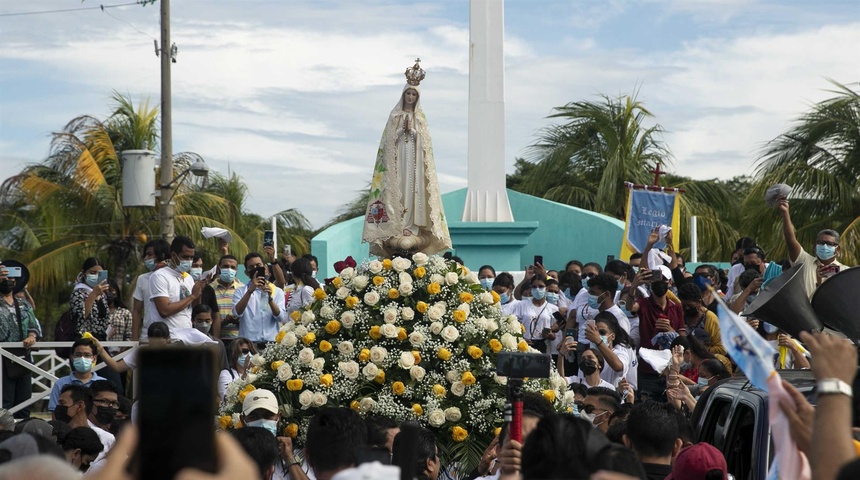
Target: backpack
<point x="65" y="332"/>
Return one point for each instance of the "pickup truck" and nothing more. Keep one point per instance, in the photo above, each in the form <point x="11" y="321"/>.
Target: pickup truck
<point x="733" y="417"/>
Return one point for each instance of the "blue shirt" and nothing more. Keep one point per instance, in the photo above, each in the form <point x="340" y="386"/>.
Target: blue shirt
<point x="62" y="382"/>
<point x="257" y="323"/>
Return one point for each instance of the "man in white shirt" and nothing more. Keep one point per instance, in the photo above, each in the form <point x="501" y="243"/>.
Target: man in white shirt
<point x="172" y="290"/>
<point x="259" y="304"/>
<point x="600" y="297"/>
<point x="155" y="252"/>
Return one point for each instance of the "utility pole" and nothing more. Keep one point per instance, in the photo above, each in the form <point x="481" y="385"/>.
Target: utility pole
<point x="166" y="128"/>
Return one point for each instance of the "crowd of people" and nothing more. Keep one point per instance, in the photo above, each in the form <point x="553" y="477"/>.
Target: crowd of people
<point x="629" y="420"/>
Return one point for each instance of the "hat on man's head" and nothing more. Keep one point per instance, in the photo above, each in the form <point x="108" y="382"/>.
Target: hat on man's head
<point x="260" y="398"/>
<point x="693" y="463"/>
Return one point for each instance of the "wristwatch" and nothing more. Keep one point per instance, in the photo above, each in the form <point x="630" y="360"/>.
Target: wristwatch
<point x="830" y="386"/>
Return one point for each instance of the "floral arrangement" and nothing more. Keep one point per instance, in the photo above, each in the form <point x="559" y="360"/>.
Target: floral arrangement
<point x="407" y="339"/>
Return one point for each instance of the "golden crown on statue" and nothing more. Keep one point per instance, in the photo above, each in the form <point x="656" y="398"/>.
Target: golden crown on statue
<point x="415" y="74"/>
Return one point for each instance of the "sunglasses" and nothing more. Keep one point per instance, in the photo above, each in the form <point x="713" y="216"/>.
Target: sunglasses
<point x="829" y="244"/>
<point x="589" y="275"/>
<point x="589" y="409"/>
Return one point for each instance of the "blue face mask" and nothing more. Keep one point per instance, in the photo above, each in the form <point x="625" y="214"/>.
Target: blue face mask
<point x="184" y="266"/>
<point x="538" y="293"/>
<point x="703" y="381"/>
<point x="487" y="283"/>
<point x="584" y="282"/>
<point x="567" y="294"/>
<point x="270" y="425"/>
<point x="195" y="273"/>
<point x="504" y="298"/>
<point x="82" y="365"/>
<point x="574" y="410"/>
<point x="593" y="301"/>
<point x="620" y="285"/>
<point x="769" y="329"/>
<point x="605" y="339"/>
<point x="552" y="298"/>
<point x="825" y="252"/>
<point x="228" y="275"/>
<point x="149" y="263"/>
<point x="92" y="280"/>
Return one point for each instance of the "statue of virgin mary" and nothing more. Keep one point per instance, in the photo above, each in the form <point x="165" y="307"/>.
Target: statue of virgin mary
<point x="404" y="214"/>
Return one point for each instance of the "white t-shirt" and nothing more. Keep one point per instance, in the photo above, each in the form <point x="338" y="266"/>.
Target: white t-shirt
<point x="789" y="358"/>
<point x="167" y="282"/>
<point x="585" y="313"/>
<point x="142" y="293"/>
<point x="535" y="318"/>
<point x="628" y="358"/>
<point x="508" y="308"/>
<point x="224" y="379"/>
<point x="578" y="378"/>
<point x="734" y="272"/>
<point x="107" y="440"/>
<point x="299" y="298"/>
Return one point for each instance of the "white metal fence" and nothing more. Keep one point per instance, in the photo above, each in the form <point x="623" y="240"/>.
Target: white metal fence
<point x="46" y="364"/>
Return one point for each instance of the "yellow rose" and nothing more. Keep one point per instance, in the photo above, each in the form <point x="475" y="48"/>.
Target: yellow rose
<point x="326" y="380"/>
<point x="417" y="409"/>
<point x="474" y="352"/>
<point x="417" y="356"/>
<point x="443" y="354"/>
<point x="375" y="333"/>
<point x="420" y="272"/>
<point x="467" y="378"/>
<point x="354" y="405"/>
<point x="523" y="346"/>
<point x="364" y="355"/>
<point x="522" y="328"/>
<point x="459" y="316"/>
<point x="549" y="395"/>
<point x="439" y="390"/>
<point x="459" y="434"/>
<point x="276" y="364"/>
<point x="319" y="294"/>
<point x="393" y="293"/>
<point x="296" y="316"/>
<point x="291" y="430"/>
<point x="495" y="346"/>
<point x="386" y="264"/>
<point x="377" y="280"/>
<point x="380" y="377"/>
<point x="337" y="282"/>
<point x="309" y="338"/>
<point x="351" y="302"/>
<point x="225" y="422"/>
<point x="434" y="288"/>
<point x="496" y="297"/>
<point x="398" y="388"/>
<point x="87" y="335"/>
<point x="332" y="327"/>
<point x="245" y="391"/>
<point x="401" y="334"/>
<point x="325" y="346"/>
<point x="422" y="307"/>
<point x="466" y="297"/>
<point x="280" y="336"/>
<point x="497" y="431"/>
<point x="295" y="384"/>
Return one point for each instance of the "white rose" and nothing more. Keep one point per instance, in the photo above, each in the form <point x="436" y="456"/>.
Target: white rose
<point x="436" y="278"/>
<point x="465" y="308"/>
<point x="451" y="278"/>
<point x="486" y="297"/>
<point x="236" y="419"/>
<point x="390" y="315"/>
<point x="406" y="288"/>
<point x="492" y="326"/>
<point x="513" y="322"/>
<point x="500" y="380"/>
<point x="370" y="371"/>
<point x="366" y="405"/>
<point x="450" y="333"/>
<point x="569" y="397"/>
<point x="301" y="331"/>
<point x="347" y="273"/>
<point x="417" y="338"/>
<point x="286" y="410"/>
<point x="306" y="356"/>
<point x="371" y="298"/>
<point x="251" y="378"/>
<point x="417" y="373"/>
<point x="345" y="347"/>
<point x="285" y="372"/>
<point x="558" y="382"/>
<point x="452" y="414"/>
<point x="452" y="376"/>
<point x="359" y="282"/>
<point x="404" y="277"/>
<point x="350" y="369"/>
<point x="435" y="313"/>
<point x="258" y="360"/>
<point x="458" y="388"/>
<point x="378" y="354"/>
<point x="441" y="306"/>
<point x="389" y="330"/>
<point x="375" y="266"/>
<point x="438" y="262"/>
<point x="347" y="319"/>
<point x="288" y="327"/>
<point x="306" y="399"/>
<point x="420" y="259"/>
<point x="400" y="264"/>
<point x="290" y="339"/>
<point x="320" y="399"/>
<point x="342" y="293"/>
<point x="318" y="364"/>
<point x="407" y="313"/>
<point x="327" y="312"/>
<point x="509" y="342"/>
<point x="436" y="328"/>
<point x="406" y="361"/>
<point x="436" y="418"/>
<point x="472" y="278"/>
<point x="308" y="317"/>
<point x="481" y="323"/>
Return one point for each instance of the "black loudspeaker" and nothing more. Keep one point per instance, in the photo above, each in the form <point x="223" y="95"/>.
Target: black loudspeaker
<point x="785" y="303"/>
<point x="837" y="302"/>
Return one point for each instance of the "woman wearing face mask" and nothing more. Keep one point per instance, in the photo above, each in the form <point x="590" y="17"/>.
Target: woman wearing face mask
<point x="614" y="344"/>
<point x="790" y="353"/>
<point x="553" y="296"/>
<point x="238" y="356"/>
<point x="120" y="316"/>
<point x="303" y="292"/>
<point x="504" y="286"/>
<point x="591" y="363"/>
<point x="711" y="371"/>
<point x="536" y="316"/>
<point x="487" y="275"/>
<point x="88" y="304"/>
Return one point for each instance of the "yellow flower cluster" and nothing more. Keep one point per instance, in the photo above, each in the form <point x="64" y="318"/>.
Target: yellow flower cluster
<point x="419" y="272"/>
<point x="386" y="264"/>
<point x="474" y="352"/>
<point x="466" y="297"/>
<point x="434" y="288"/>
<point x="326" y="380"/>
<point x="364" y="355"/>
<point x="319" y="294"/>
<point x="377" y="280"/>
<point x="523" y="346"/>
<point x="549" y="395"/>
<point x="417" y="409"/>
<point x="332" y="327"/>
<point x="309" y="338"/>
<point x="295" y="384"/>
<point x="337" y="282"/>
<point x="276" y="364"/>
<point x="375" y="333"/>
<point x="459" y="434"/>
<point x="351" y="302"/>
<point x="439" y="391"/>
<point x="393" y="293"/>
<point x="291" y="430"/>
<point x="459" y="316"/>
<point x="245" y="391"/>
<point x="422" y="307"/>
<point x="467" y="378"/>
<point x="325" y="346"/>
<point x="495" y="345"/>
<point x="225" y="422"/>
<point x="398" y="388"/>
<point x="443" y="354"/>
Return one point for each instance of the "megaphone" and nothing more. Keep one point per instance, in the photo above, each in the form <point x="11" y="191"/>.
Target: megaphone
<point x="837" y="302"/>
<point x="785" y="303"/>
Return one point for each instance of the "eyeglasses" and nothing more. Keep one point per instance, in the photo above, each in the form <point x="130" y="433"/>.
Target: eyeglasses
<point x="829" y="244"/>
<point x="83" y="355"/>
<point x="589" y="409"/>
<point x="105" y="402"/>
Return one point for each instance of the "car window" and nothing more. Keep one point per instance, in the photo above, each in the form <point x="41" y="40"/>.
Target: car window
<point x="713" y="428"/>
<point x="740" y="440"/>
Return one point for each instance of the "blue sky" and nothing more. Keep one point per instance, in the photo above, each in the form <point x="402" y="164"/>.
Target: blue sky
<point x="293" y="95"/>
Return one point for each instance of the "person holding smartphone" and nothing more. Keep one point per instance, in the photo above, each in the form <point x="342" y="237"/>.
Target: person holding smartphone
<point x="18" y="323"/>
<point x="88" y="304"/>
<point x="259" y="304"/>
<point x="536" y="315"/>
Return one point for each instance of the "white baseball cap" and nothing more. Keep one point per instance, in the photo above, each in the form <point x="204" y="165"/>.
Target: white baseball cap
<point x="260" y="398"/>
<point x="667" y="274"/>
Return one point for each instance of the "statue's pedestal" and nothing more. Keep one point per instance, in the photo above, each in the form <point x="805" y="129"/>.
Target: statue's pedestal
<point x="491" y="243"/>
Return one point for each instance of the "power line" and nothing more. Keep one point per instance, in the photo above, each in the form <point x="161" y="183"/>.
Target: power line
<point x="100" y="7"/>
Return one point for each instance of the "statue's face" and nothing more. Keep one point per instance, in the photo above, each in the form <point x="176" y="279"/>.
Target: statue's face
<point x="410" y="97"/>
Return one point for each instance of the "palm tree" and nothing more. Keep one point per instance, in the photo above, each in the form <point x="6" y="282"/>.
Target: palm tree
<point x="820" y="158"/>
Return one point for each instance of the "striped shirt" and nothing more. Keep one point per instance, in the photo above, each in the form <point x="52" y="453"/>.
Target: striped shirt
<point x="224" y="298"/>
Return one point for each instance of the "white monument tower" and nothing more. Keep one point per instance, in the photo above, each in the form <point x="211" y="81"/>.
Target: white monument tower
<point x="487" y="199"/>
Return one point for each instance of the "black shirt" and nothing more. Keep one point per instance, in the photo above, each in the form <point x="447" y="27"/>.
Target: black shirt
<point x="654" y="471"/>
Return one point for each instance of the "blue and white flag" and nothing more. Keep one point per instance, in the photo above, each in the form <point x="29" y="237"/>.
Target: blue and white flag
<point x="750" y="351"/>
